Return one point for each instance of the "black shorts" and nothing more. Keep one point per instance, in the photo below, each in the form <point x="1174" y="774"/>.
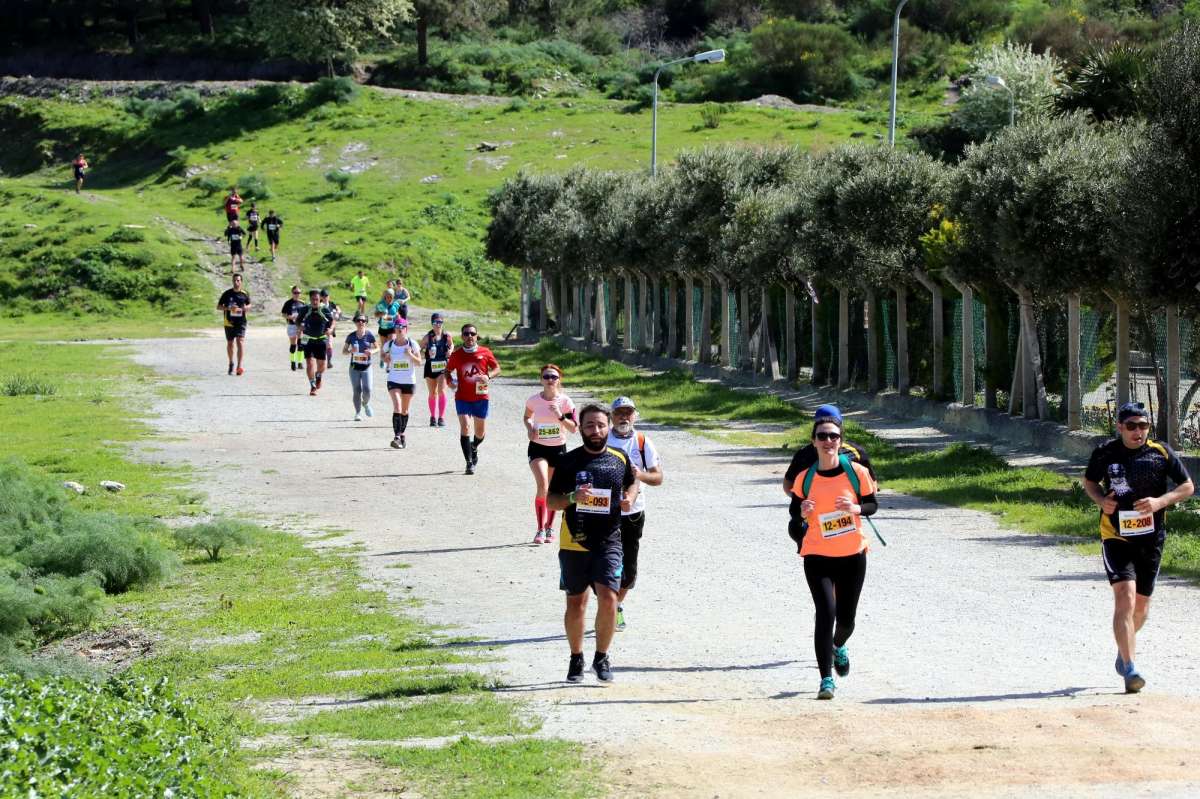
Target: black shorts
<point x="386" y="333"/>
<point x="403" y="388"/>
<point x="234" y="331"/>
<point x="549" y="454"/>
<point x="231" y="215"/>
<point x="316" y="348"/>
<point x="631" y="538"/>
<point x="252" y="227"/>
<point x="578" y="571"/>
<point x="78" y="173"/>
<point x="432" y="375"/>
<point x="360" y="297"/>
<point x="1135" y="560"/>
<point x="235" y="248"/>
<point x="273" y="238"/>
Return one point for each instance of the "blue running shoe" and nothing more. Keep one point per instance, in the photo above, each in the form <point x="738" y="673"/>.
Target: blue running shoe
<point x="827" y="688"/>
<point x="841" y="661"/>
<point x="1134" y="682"/>
<point x="1120" y="665"/>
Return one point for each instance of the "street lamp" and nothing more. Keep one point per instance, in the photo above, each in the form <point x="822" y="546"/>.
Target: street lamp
<point x="707" y="57"/>
<point x="996" y="80"/>
<point x="895" y="73"/>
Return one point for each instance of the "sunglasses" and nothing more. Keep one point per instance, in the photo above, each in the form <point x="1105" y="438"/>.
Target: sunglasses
<point x="470" y="333"/>
<point x="551" y="377"/>
<point x="1132" y="426"/>
<point x="437" y="322"/>
<point x="295" y="294"/>
<point x="828" y="436"/>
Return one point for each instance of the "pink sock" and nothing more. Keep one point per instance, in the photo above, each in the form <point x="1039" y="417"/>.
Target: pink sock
<point x="539" y="510"/>
<point x="432" y="405"/>
<point x="441" y="406"/>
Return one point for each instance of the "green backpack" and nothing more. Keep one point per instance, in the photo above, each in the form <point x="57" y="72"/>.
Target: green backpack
<point x="848" y="468"/>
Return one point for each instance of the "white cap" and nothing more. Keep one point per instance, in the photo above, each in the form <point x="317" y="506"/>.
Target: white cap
<point x="623" y="402"/>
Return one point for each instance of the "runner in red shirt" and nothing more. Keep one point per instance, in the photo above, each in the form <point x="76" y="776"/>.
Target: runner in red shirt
<point x="232" y="203"/>
<point x="471" y="369"/>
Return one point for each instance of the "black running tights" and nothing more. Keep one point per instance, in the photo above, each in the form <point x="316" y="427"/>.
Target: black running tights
<point x="835" y="584"/>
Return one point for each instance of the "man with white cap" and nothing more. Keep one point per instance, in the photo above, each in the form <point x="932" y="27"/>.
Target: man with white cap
<point x="647" y="470"/>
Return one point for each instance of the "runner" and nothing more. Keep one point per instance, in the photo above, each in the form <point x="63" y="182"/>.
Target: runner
<point x="252" y="226"/>
<point x="234" y="303"/>
<point x="273" y="224"/>
<point x="835" y="560"/>
<point x="233" y="202"/>
<point x="549" y="418"/>
<point x="805" y="457"/>
<point x="358" y="346"/>
<point x="471" y="368"/>
<point x="592" y="484"/>
<point x="335" y="313"/>
<point x="403" y="295"/>
<point x="314" y="324"/>
<point x="647" y="468"/>
<point x="1127" y="479"/>
<point x="80" y="167"/>
<point x="437" y="346"/>
<point x="361" y="285"/>
<point x="235" y="233"/>
<point x="386" y="311"/>
<point x="291" y="311"/>
<point x="402" y="356"/>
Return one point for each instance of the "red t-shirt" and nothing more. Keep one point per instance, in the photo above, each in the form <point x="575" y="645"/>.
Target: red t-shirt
<point x="469" y="368"/>
<point x="232" y="202"/>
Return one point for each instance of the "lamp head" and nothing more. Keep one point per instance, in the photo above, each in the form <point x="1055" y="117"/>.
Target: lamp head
<point x="996" y="80"/>
<point x="709" y="57"/>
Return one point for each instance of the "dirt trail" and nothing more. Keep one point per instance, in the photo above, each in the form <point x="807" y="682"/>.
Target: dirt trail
<point x="982" y="661"/>
<point x="264" y="280"/>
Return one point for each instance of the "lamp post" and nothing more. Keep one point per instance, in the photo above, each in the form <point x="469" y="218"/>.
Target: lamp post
<point x="707" y="57"/>
<point x="996" y="80"/>
<point x="895" y="73"/>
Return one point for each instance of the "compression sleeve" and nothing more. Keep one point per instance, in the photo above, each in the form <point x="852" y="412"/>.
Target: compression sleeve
<point x="869" y="505"/>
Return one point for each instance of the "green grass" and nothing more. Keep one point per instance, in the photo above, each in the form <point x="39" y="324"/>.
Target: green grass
<point x="1025" y="498"/>
<point x="484" y="715"/>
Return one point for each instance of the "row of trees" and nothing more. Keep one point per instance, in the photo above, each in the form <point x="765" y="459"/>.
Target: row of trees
<point x="1055" y="211"/>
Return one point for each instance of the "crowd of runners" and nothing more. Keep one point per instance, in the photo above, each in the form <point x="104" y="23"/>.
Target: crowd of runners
<point x="830" y="483"/>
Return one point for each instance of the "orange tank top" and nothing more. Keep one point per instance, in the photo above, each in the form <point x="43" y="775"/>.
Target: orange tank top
<point x="831" y="532"/>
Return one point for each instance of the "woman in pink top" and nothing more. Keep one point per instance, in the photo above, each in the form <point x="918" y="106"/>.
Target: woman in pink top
<point x="549" y="418"/>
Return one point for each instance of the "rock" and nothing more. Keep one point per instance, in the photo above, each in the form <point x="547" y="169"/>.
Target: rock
<point x="486" y="147"/>
<point x="431" y="179"/>
<point x="112" y="485"/>
<point x="78" y="488"/>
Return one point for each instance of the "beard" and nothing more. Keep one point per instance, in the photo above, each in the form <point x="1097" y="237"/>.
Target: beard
<point x="595" y="443"/>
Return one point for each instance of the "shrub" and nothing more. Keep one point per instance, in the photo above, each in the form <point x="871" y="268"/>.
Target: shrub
<point x="711" y="113"/>
<point x="214" y="536"/>
<point x="1035" y="81"/>
<point x="27" y="385"/>
<point x="803" y="61"/>
<point x="207" y="184"/>
<point x="103" y="544"/>
<point x="125" y="235"/>
<point x="339" y="90"/>
<point x="254" y="187"/>
<point x="35" y="610"/>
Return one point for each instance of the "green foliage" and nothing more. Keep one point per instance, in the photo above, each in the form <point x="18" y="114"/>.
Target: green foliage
<point x="803" y="61"/>
<point x="553" y="66"/>
<point x="125" y="235"/>
<point x="214" y="536"/>
<point x="122" y="739"/>
<point x="320" y="30"/>
<point x="339" y="90"/>
<point x="27" y="385"/>
<point x="184" y="104"/>
<point x="1109" y="83"/>
<point x="34" y="609"/>
<point x="207" y="184"/>
<point x="1035" y="81"/>
<point x="341" y="179"/>
<point x="711" y="113"/>
<point x="254" y="187"/>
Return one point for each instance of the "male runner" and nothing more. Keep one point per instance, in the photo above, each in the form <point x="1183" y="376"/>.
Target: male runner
<point x="291" y="312"/>
<point x="314" y="321"/>
<point x="233" y="203"/>
<point x="273" y="224"/>
<point x="361" y="284"/>
<point x="470" y="368"/>
<point x="805" y="457"/>
<point x="403" y="296"/>
<point x="79" y="166"/>
<point x="387" y="311"/>
<point x="592" y="485"/>
<point x="252" y="226"/>
<point x="234" y="303"/>
<point x="335" y="313"/>
<point x="647" y="468"/>
<point x="1127" y="479"/>
<point x="235" y="233"/>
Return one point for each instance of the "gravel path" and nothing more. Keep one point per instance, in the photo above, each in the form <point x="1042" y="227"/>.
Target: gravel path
<point x="981" y="662"/>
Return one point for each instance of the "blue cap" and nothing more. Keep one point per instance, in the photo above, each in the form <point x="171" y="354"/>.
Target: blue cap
<point x="623" y="402"/>
<point x="827" y="413"/>
<point x="1131" y="409"/>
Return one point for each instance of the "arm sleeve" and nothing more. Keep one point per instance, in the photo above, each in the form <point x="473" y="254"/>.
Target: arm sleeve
<point x="569" y="407"/>
<point x="1095" y="468"/>
<point x="869" y="505"/>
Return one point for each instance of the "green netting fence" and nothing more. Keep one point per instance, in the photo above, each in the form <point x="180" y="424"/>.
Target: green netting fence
<point x="955" y="334"/>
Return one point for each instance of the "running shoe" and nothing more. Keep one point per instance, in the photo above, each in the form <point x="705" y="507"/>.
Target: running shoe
<point x="367" y="410"/>
<point x="620" y="619"/>
<point x="319" y="377"/>
<point x="474" y="457"/>
<point x="293" y="366"/>
<point x="470" y="468"/>
<point x="548" y="535"/>
<point x="441" y="422"/>
<point x="841" y="661"/>
<point x="537" y="538"/>
<point x="239" y="371"/>
<point x="575" y="670"/>
<point x="1134" y="682"/>
<point x="231" y="368"/>
<point x="312" y="392"/>
<point x="403" y="441"/>
<point x="827" y="688"/>
<point x="396" y="442"/>
<point x="358" y="416"/>
<point x="602" y="668"/>
<point x="1120" y="665"/>
<point x="433" y="421"/>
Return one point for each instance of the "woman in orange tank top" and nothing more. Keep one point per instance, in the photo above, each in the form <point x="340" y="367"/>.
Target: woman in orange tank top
<point x="834" y="548"/>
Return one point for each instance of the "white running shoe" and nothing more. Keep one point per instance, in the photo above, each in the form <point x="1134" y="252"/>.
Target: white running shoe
<point x="367" y="410"/>
<point x="358" y="416"/>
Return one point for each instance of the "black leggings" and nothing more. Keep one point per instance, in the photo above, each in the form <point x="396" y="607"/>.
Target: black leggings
<point x="835" y="584"/>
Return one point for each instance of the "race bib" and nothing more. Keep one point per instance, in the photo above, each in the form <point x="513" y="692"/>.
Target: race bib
<point x="481" y="388"/>
<point x="362" y="357"/>
<point x="1133" y="522"/>
<point x="401" y="365"/>
<point x="236" y="310"/>
<point x="437" y="366"/>
<point x="387" y="318"/>
<point x="599" y="501"/>
<point x="548" y="431"/>
<point x="836" y="523"/>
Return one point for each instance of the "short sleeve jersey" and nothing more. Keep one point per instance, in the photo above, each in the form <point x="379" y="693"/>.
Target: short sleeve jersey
<point x="314" y="322"/>
<point x="273" y="224"/>
<point x="471" y="368"/>
<point x="390" y="311"/>
<point x="806" y="456"/>
<point x="360" y="285"/>
<point x="360" y="348"/>
<point x="232" y="203"/>
<point x="234" y="234"/>
<point x="833" y="533"/>
<point x="252" y="218"/>
<point x="1134" y="474"/>
<point x="234" y="303"/>
<point x="291" y="310"/>
<point x="546" y="422"/>
<point x="597" y="525"/>
<point x="403" y="362"/>
<point x="641" y="453"/>
<point x="402" y="295"/>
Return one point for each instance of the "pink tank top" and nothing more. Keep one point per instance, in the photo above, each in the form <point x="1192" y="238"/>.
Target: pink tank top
<point x="547" y="425"/>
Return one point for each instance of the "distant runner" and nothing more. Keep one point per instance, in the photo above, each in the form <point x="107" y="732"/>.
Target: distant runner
<point x="402" y="356"/>
<point x="549" y="419"/>
<point x="235" y="234"/>
<point x="387" y="310"/>
<point x="252" y="221"/>
<point x="835" y="549"/>
<point x="592" y="484"/>
<point x="233" y="202"/>
<point x="234" y="303"/>
<point x="291" y="312"/>
<point x="359" y="345"/>
<point x="361" y="284"/>
<point x="272" y="224"/>
<point x="79" y="166"/>
<point x="471" y="368"/>
<point x="647" y="469"/>
<point x="314" y="323"/>
<point x="403" y="296"/>
<point x="437" y="345"/>
<point x="1127" y="479"/>
<point x="335" y="313"/>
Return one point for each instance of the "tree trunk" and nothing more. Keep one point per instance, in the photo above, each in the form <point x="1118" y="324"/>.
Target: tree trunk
<point x="938" y="331"/>
<point x="1074" y="377"/>
<point x="656" y="313"/>
<point x="586" y="314"/>
<point x="601" y="324"/>
<point x="744" y="354"/>
<point x="902" y="376"/>
<point x="1173" y="373"/>
<point x="630" y="341"/>
<point x="525" y="297"/>
<point x="726" y="326"/>
<point x="422" y="40"/>
<point x="843" y="379"/>
<point x="1017" y="394"/>
<point x="689" y="318"/>
<point x="820" y="369"/>
<point x="202" y="13"/>
<point x="1034" y="398"/>
<point x="789" y="335"/>
<point x="645" y="341"/>
<point x="706" y="322"/>
<point x="770" y="351"/>
<point x="1122" y="350"/>
<point x="672" y="317"/>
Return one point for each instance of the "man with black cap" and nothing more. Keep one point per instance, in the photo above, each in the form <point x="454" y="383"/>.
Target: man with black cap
<point x="804" y="459"/>
<point x="314" y="322"/>
<point x="1127" y="479"/>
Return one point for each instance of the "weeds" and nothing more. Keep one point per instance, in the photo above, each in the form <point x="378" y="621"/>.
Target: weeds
<point x="25" y="385"/>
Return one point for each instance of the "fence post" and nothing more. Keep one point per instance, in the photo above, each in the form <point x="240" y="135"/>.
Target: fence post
<point x="601" y="323"/>
<point x="706" y="322"/>
<point x="745" y="362"/>
<point x="1074" y="378"/>
<point x="630" y="340"/>
<point x="939" y="329"/>
<point x="672" y="317"/>
<point x="726" y="326"/>
<point x="689" y="317"/>
<point x="902" y="380"/>
<point x="789" y="336"/>
<point x="1174" y="355"/>
<point x="843" y="380"/>
<point x="1122" y="351"/>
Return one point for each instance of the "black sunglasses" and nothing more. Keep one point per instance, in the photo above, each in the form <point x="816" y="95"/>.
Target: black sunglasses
<point x="1131" y="426"/>
<point x="551" y="377"/>
<point x="470" y="333"/>
<point x="823" y="436"/>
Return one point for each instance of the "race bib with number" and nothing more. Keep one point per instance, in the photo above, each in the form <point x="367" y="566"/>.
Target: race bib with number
<point x="362" y="357"/>
<point x="1133" y="522"/>
<point x="401" y="365"/>
<point x="236" y="310"/>
<point x="481" y="388"/>
<point x="836" y="523"/>
<point x="437" y="366"/>
<point x="387" y="319"/>
<point x="548" y="431"/>
<point x="598" y="501"/>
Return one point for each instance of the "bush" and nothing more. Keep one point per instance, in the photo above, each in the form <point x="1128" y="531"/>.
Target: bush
<point x="803" y="61"/>
<point x="214" y="536"/>
<point x="27" y="386"/>
<point x="332" y="90"/>
<point x="207" y="184"/>
<point x="254" y="187"/>
<point x="125" y="235"/>
<point x="102" y="544"/>
<point x="711" y="113"/>
<point x="36" y="610"/>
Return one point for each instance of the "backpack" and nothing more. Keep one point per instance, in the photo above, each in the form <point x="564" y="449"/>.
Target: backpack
<point x="852" y="476"/>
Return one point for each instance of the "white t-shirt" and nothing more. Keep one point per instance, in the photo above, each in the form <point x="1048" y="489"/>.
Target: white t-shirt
<point x="403" y="366"/>
<point x="630" y="447"/>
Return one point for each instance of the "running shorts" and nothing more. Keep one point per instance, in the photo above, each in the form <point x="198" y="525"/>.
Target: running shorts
<point x="252" y="226"/>
<point x="631" y="538"/>
<point x="293" y="330"/>
<point x="273" y="238"/>
<point x="1139" y="561"/>
<point x="78" y="173"/>
<point x="403" y="388"/>
<point x="476" y="408"/>
<point x="549" y="454"/>
<point x="235" y="248"/>
<point x="316" y="348"/>
<point x="235" y="331"/>
<point x="231" y="215"/>
<point x="580" y="570"/>
<point x="360" y="298"/>
<point x="386" y="332"/>
<point x="432" y="375"/>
